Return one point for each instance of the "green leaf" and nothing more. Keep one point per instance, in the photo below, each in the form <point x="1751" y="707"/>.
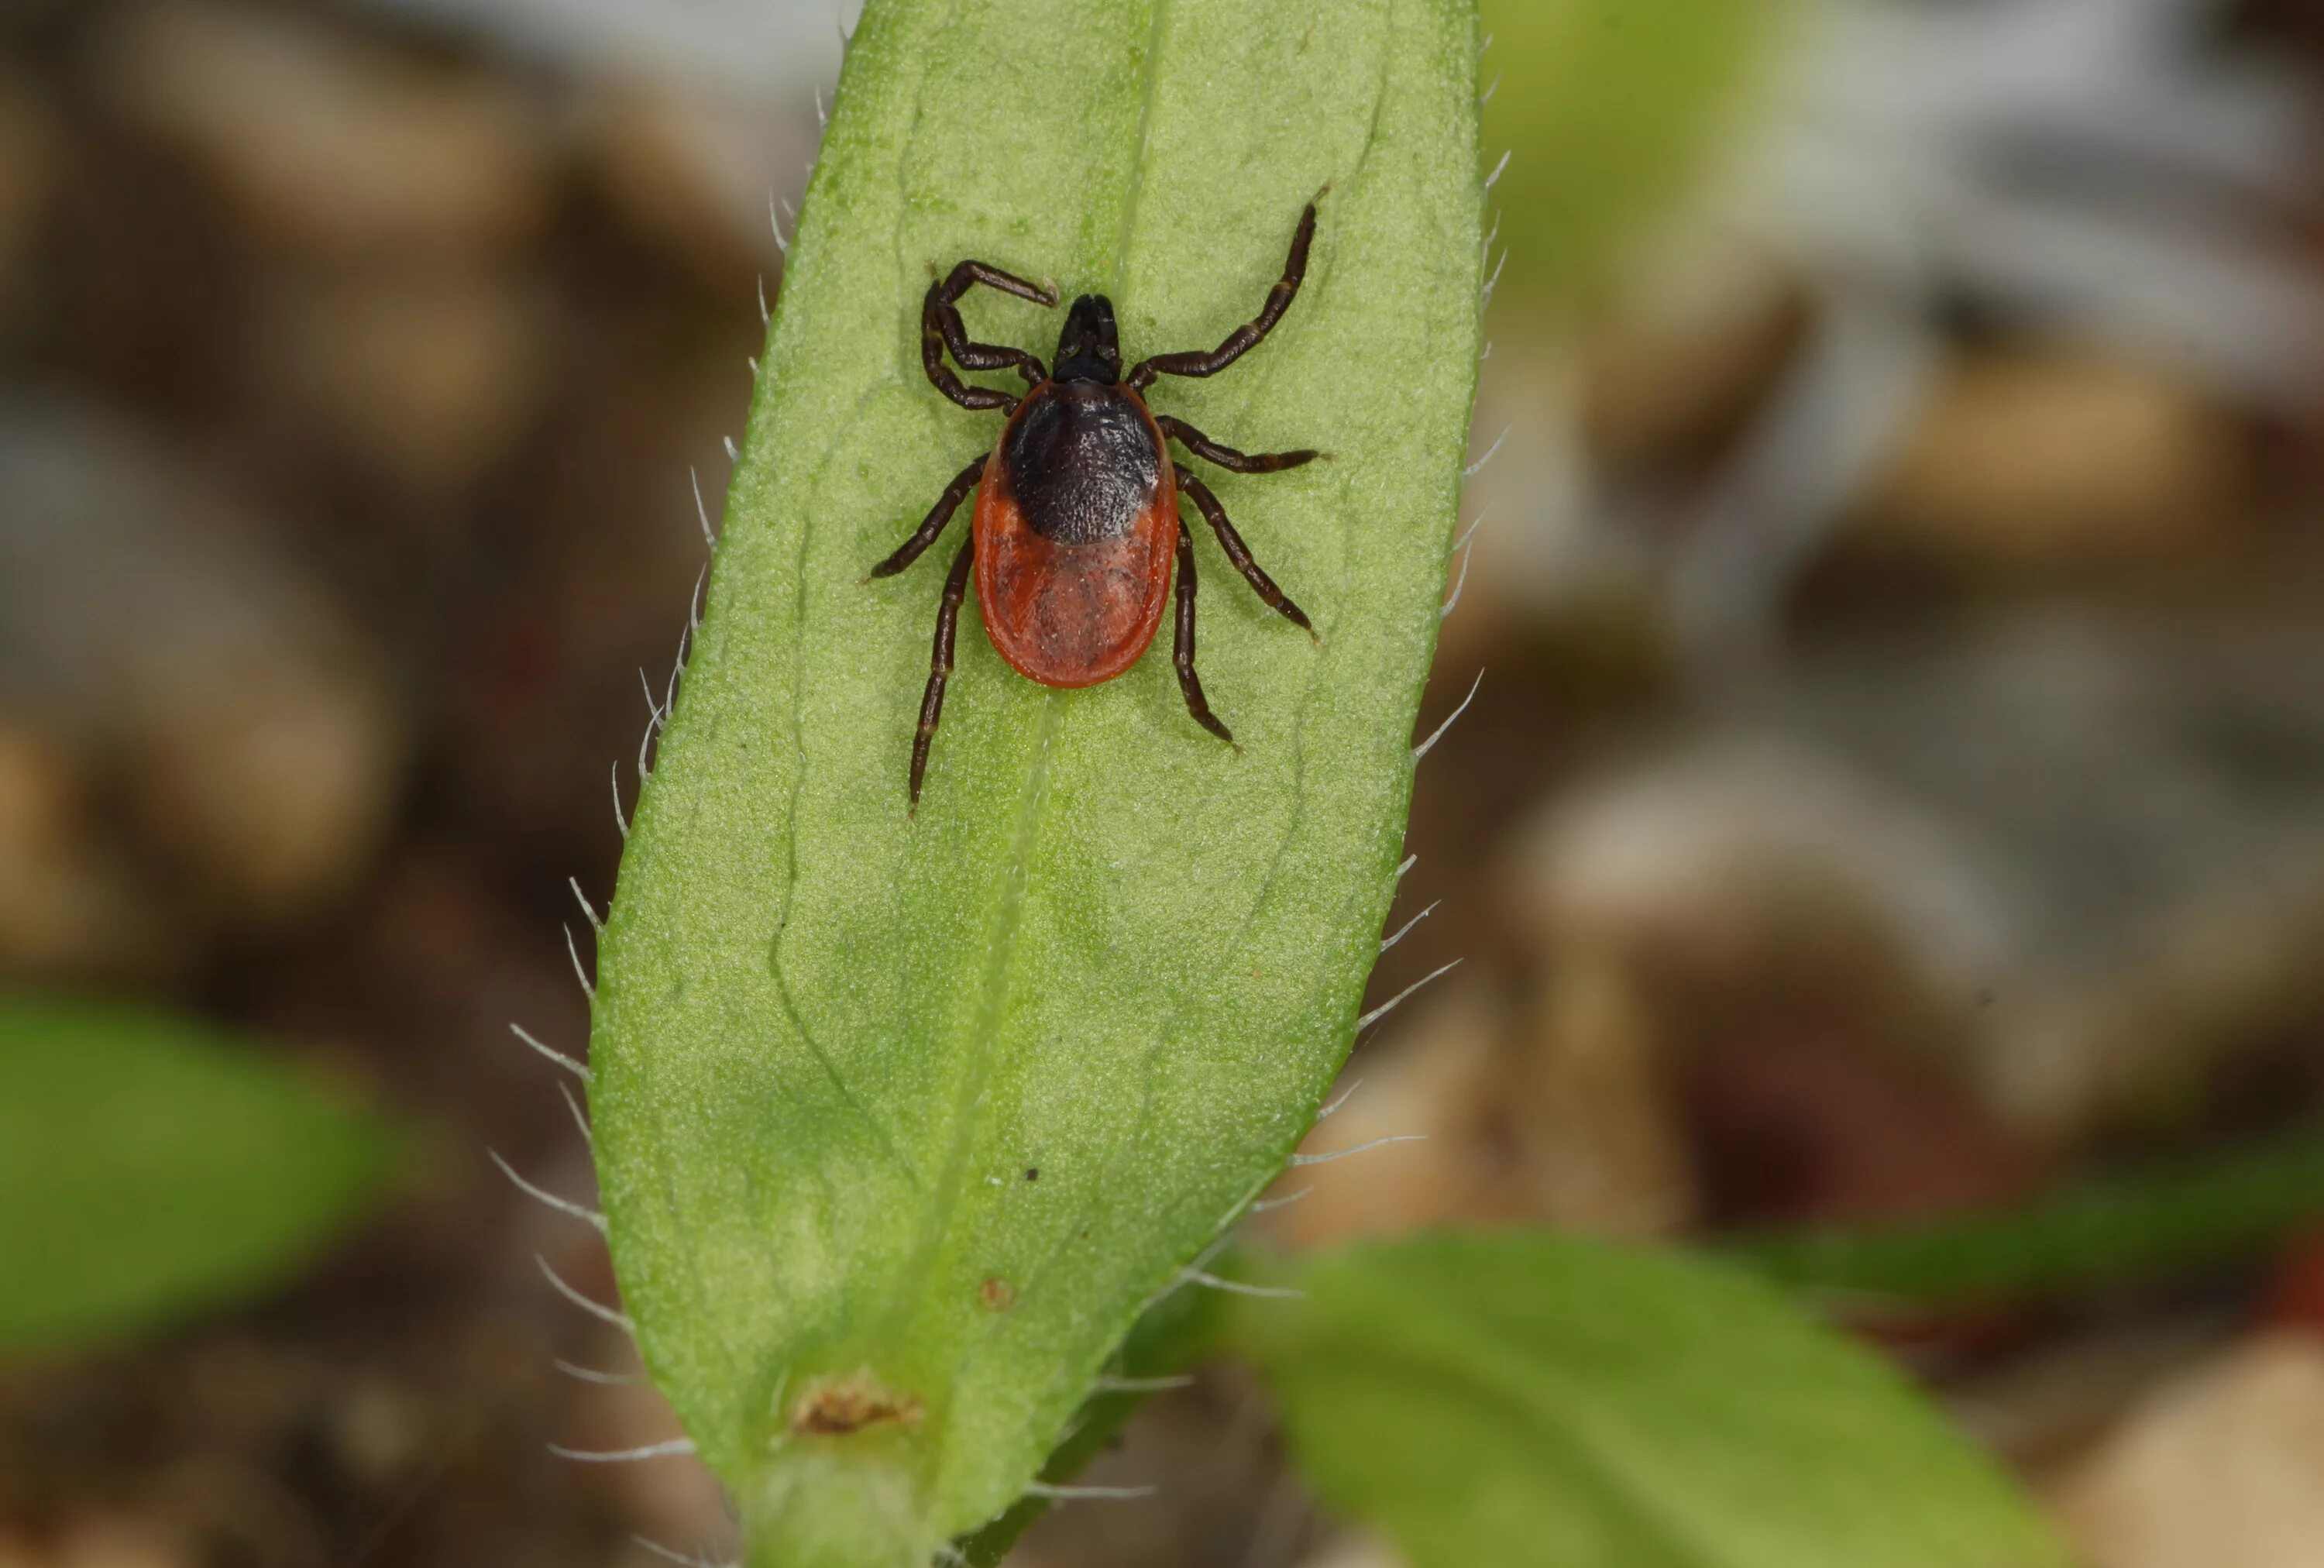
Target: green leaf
<point x="2094" y="1235"/>
<point x="1607" y="108"/>
<point x="1175" y="1336"/>
<point x="831" y="1040"/>
<point x="150" y="1168"/>
<point x="1520" y="1399"/>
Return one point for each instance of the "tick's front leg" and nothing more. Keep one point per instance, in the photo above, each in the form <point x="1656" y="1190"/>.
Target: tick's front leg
<point x="1245" y="337"/>
<point x="941" y="328"/>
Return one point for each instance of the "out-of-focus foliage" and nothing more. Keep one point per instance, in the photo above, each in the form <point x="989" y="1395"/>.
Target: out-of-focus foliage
<point x="1526" y="1400"/>
<point x="1605" y="107"/>
<point x="150" y="1168"/>
<point x="2088" y="1238"/>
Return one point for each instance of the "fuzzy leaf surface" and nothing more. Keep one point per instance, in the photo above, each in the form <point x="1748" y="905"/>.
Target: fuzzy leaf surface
<point x="1533" y="1400"/>
<point x="833" y="1044"/>
<point x="149" y="1168"/>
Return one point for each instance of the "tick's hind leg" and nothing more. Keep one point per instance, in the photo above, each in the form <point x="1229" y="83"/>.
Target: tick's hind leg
<point x="940" y="664"/>
<point x="1244" y="338"/>
<point x="941" y="328"/>
<point x="1181" y="653"/>
<point x="933" y="524"/>
<point x="1240" y="553"/>
<point x="1226" y="456"/>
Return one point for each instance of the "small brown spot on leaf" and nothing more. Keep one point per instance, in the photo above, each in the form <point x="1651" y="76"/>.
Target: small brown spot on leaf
<point x="997" y="1295"/>
<point x="837" y="1406"/>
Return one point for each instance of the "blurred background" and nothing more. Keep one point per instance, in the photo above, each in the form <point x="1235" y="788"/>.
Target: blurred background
<point x="1895" y="790"/>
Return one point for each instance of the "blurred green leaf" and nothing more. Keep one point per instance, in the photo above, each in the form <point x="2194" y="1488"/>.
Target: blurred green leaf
<point x="1522" y="1399"/>
<point x="831" y="1040"/>
<point x="150" y="1168"/>
<point x="1607" y="108"/>
<point x="2092" y="1236"/>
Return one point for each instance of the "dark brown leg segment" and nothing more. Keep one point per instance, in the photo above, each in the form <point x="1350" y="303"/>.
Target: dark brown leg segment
<point x="933" y="524"/>
<point x="1181" y="653"/>
<point x="1240" y="340"/>
<point x="1227" y="458"/>
<point x="1240" y="554"/>
<point x="940" y="664"/>
<point x="941" y="328"/>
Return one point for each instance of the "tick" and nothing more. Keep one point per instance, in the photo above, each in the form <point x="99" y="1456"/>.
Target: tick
<point x="1077" y="522"/>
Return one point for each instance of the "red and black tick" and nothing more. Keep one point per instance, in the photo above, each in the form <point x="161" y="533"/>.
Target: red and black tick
<point x="1076" y="516"/>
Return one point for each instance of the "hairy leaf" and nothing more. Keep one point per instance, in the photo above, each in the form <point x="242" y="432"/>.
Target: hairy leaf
<point x="1175" y="1336"/>
<point x="833" y="1044"/>
<point x="1520" y="1399"/>
<point x="149" y="1168"/>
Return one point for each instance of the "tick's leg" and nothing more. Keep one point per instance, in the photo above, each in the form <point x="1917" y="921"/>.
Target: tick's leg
<point x="941" y="328"/>
<point x="940" y="664"/>
<point x="1227" y="458"/>
<point x="1240" y="554"/>
<point x="1181" y="654"/>
<point x="988" y="356"/>
<point x="1240" y="341"/>
<point x="933" y="524"/>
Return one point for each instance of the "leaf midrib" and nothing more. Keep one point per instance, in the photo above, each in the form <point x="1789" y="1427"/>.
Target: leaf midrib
<point x="1008" y="916"/>
<point x="999" y="970"/>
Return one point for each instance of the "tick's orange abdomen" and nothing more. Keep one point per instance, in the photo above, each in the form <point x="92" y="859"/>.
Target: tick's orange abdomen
<point x="1073" y="555"/>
